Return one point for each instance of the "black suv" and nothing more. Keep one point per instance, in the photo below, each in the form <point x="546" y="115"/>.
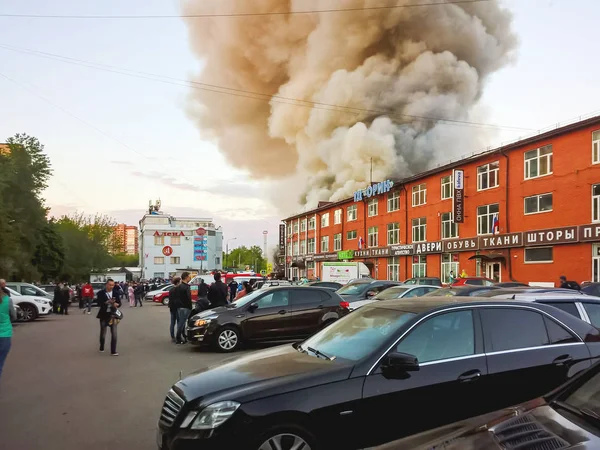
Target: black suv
<point x="278" y="314"/>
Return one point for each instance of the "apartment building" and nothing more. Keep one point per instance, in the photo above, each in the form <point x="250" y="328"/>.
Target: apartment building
<point x="528" y="211"/>
<point x="127" y="236"/>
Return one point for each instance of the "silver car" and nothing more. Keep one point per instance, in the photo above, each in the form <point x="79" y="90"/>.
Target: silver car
<point x="394" y="292"/>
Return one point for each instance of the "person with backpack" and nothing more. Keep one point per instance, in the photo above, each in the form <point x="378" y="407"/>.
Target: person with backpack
<point x="87" y="294"/>
<point x="564" y="284"/>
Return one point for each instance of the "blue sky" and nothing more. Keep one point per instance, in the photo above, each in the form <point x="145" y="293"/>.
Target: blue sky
<point x="554" y="78"/>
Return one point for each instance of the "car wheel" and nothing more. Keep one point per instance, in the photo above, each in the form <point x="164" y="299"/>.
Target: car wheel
<point x="165" y="301"/>
<point x="29" y="313"/>
<point x="228" y="339"/>
<point x="287" y="437"/>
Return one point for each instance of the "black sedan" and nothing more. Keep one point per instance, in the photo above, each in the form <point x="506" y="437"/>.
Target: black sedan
<point x="366" y="379"/>
<point x="285" y="313"/>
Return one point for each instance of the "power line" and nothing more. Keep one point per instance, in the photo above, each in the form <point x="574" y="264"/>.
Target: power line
<point x="251" y="94"/>
<point x="271" y="13"/>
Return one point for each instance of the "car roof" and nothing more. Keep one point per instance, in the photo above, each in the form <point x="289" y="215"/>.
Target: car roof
<point x="560" y="297"/>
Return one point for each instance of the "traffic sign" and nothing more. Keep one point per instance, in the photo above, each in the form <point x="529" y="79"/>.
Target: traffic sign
<point x="167" y="250"/>
<point x="263" y="273"/>
<point x="269" y="268"/>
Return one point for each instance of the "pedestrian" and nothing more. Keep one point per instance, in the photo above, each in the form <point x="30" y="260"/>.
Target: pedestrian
<point x="56" y="301"/>
<point x="233" y="286"/>
<point x="118" y="290"/>
<point x="87" y="293"/>
<point x="7" y="313"/>
<point x="65" y="299"/>
<point x="569" y="284"/>
<point x="184" y="307"/>
<point x="451" y="277"/>
<point x="217" y="293"/>
<point x="131" y="295"/>
<point x="139" y="298"/>
<point x="202" y="302"/>
<point x="464" y="274"/>
<point x="246" y="289"/>
<point x="79" y="296"/>
<point x="173" y="305"/>
<point x="109" y="302"/>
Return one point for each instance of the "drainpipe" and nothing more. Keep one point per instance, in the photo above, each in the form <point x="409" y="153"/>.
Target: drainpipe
<point x="506" y="179"/>
<point x="406" y="229"/>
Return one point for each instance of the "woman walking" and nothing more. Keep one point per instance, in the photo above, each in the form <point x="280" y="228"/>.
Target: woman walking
<point x="7" y="312"/>
<point x="131" y="295"/>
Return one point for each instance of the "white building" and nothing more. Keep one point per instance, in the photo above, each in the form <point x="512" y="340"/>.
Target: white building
<point x="170" y="245"/>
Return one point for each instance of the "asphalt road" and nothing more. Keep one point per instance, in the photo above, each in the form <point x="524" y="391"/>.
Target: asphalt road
<point x="58" y="392"/>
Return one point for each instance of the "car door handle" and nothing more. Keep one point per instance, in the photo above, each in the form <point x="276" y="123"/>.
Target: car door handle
<point x="562" y="360"/>
<point x="283" y="311"/>
<point x="471" y="375"/>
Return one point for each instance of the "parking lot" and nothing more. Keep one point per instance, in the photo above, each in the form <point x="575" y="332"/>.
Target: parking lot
<point x="59" y="392"/>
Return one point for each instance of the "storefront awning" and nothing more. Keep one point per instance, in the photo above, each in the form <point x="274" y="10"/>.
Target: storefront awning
<point x="490" y="257"/>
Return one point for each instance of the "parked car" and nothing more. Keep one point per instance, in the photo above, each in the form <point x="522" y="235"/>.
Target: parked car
<point x="163" y="296"/>
<point x="424" y="281"/>
<point x="395" y="292"/>
<point x="473" y="281"/>
<point x="327" y="284"/>
<point x="270" y="283"/>
<point x="326" y="391"/>
<point x="511" y="284"/>
<point x="49" y="290"/>
<point x="150" y="295"/>
<point x="461" y="291"/>
<point x="365" y="289"/>
<point x="567" y="418"/>
<point x="591" y="289"/>
<point x="18" y="313"/>
<point x="275" y="314"/>
<point x="29" y="289"/>
<point x="32" y="306"/>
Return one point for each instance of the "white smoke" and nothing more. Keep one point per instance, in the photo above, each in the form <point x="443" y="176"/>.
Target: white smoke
<point x="384" y="67"/>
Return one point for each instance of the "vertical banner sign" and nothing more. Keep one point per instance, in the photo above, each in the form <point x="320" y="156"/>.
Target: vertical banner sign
<point x="458" y="201"/>
<point x="282" y="238"/>
<point x="200" y="246"/>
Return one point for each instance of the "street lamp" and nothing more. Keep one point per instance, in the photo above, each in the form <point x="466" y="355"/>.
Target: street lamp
<point x="227" y="249"/>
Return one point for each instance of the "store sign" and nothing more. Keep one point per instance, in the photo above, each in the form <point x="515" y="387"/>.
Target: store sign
<point x="401" y="250"/>
<point x="589" y="233"/>
<point x="424" y="248"/>
<point x="458" y="206"/>
<point x="325" y="257"/>
<point x="167" y="250"/>
<point x="169" y="233"/>
<point x="564" y="235"/>
<point x="461" y="245"/>
<point x="200" y="231"/>
<point x="501" y="241"/>
<point x="346" y="254"/>
<point x="281" y="238"/>
<point x="374" y="189"/>
<point x="200" y="248"/>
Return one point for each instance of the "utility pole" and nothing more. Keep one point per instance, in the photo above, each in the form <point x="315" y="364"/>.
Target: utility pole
<point x="265" y="234"/>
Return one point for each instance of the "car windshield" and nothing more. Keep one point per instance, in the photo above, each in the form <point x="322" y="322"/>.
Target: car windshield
<point x="246" y="299"/>
<point x="391" y="293"/>
<point x="358" y="334"/>
<point x="587" y="396"/>
<point x="443" y="292"/>
<point x="354" y="289"/>
<point x="13" y="293"/>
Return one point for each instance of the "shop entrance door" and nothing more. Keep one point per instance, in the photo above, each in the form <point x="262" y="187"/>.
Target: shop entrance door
<point x="596" y="263"/>
<point x="493" y="270"/>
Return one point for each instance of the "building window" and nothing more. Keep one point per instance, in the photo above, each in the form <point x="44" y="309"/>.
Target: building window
<point x="485" y="218"/>
<point x="538" y="204"/>
<point x="337" y="242"/>
<point x="539" y="255"/>
<point x="303" y="226"/>
<point x="447" y="191"/>
<point x="393" y="233"/>
<point x="290" y="249"/>
<point x="296" y="248"/>
<point x="449" y="228"/>
<point x="419" y="266"/>
<point x="175" y="240"/>
<point x="419" y="194"/>
<point x="311" y="245"/>
<point x="324" y="243"/>
<point x="217" y="260"/>
<point x="159" y="240"/>
<point x="393" y="201"/>
<point x="351" y="235"/>
<point x="538" y="162"/>
<point x="310" y="265"/>
<point x="159" y="274"/>
<point x="373" y="237"/>
<point x="159" y="260"/>
<point x="596" y="147"/>
<point x="325" y="220"/>
<point x="352" y="213"/>
<point x="419" y="229"/>
<point x="311" y="223"/>
<point x="596" y="203"/>
<point x="303" y="247"/>
<point x="289" y="230"/>
<point x="487" y="176"/>
<point x="373" y="207"/>
<point x="449" y="264"/>
<point x="175" y="260"/>
<point x="394" y="269"/>
<point x="295" y="227"/>
<point x="337" y="217"/>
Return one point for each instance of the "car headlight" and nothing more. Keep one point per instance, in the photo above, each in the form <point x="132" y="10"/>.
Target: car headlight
<point x="212" y="416"/>
<point x="205" y="321"/>
<point x="39" y="300"/>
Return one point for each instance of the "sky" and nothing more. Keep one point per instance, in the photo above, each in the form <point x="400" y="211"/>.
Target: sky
<point x="116" y="142"/>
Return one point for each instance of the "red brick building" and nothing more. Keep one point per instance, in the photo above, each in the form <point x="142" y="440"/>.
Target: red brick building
<point x="531" y="212"/>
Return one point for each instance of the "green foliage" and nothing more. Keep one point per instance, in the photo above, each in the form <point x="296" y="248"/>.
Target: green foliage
<point x="125" y="260"/>
<point x="49" y="257"/>
<point x="244" y="256"/>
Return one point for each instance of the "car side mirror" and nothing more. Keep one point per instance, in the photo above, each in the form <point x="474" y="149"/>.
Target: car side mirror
<point x="397" y="363"/>
<point x="253" y="307"/>
<point x="371" y="294"/>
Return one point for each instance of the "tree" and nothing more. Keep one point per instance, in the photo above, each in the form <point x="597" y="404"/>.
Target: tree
<point x="243" y="256"/>
<point x="49" y="257"/>
<point x="125" y="260"/>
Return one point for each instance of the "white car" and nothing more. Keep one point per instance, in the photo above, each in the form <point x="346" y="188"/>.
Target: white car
<point x="31" y="306"/>
<point x="394" y="292"/>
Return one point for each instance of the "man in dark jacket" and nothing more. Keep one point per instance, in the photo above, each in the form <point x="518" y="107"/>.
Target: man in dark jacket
<point x="233" y="288"/>
<point x="184" y="307"/>
<point x="217" y="293"/>
<point x="173" y="305"/>
<point x="108" y="302"/>
<point x="56" y="301"/>
<point x="65" y="299"/>
<point x="202" y="302"/>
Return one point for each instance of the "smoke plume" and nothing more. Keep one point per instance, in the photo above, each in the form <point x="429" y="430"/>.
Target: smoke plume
<point x="381" y="68"/>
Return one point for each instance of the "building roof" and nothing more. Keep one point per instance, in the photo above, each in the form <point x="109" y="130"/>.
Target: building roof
<point x="554" y="131"/>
